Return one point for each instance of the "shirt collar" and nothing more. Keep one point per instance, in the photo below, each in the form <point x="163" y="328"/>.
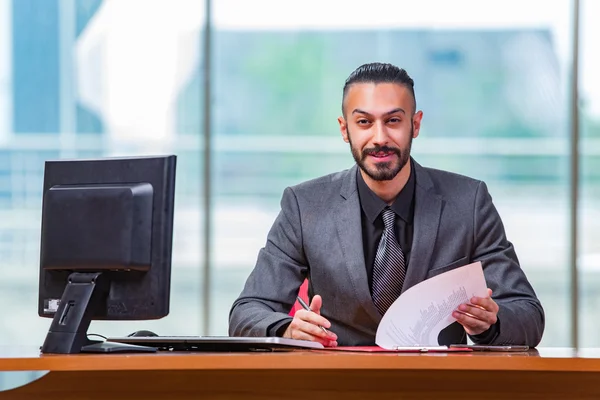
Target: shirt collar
<point x="372" y="205"/>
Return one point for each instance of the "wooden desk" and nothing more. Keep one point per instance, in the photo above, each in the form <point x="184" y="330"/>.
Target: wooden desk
<point x="551" y="373"/>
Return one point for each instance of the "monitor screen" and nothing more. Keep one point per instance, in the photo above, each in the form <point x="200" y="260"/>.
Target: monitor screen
<point x="106" y="239"/>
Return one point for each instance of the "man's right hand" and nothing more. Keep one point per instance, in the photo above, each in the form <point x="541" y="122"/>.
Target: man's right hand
<point x="306" y="325"/>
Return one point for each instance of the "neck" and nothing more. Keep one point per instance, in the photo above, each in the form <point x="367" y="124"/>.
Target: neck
<point x="388" y="190"/>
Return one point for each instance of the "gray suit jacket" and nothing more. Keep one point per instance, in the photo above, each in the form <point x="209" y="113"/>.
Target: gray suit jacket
<point x="318" y="235"/>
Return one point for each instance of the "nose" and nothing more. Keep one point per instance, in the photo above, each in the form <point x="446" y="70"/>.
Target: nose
<point x="380" y="135"/>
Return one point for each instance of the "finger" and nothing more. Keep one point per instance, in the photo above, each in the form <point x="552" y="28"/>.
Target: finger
<point x="485" y="303"/>
<point x="300" y="335"/>
<point x="316" y="303"/>
<point x="478" y="313"/>
<point x="473" y="326"/>
<point x="313" y="318"/>
<point x="312" y="329"/>
<point x="305" y="331"/>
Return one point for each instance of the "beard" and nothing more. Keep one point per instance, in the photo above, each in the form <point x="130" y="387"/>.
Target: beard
<point x="386" y="170"/>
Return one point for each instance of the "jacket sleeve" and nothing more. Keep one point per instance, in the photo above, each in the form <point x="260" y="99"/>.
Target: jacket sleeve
<point x="521" y="316"/>
<point x="270" y="291"/>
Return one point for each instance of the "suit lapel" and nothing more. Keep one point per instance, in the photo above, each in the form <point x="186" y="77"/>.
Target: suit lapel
<point x="428" y="207"/>
<point x="349" y="229"/>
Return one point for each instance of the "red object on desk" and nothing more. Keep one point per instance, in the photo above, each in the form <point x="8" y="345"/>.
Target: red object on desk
<point x="377" y="349"/>
<point x="362" y="349"/>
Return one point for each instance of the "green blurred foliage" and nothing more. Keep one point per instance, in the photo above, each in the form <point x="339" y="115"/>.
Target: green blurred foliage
<point x="299" y="86"/>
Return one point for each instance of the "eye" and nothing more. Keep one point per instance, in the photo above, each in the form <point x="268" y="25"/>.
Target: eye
<point x="394" y="120"/>
<point x="362" y="121"/>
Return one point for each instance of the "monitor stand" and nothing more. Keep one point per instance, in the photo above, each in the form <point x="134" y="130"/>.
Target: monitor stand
<point x="84" y="293"/>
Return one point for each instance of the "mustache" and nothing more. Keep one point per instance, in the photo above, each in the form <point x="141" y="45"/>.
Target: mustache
<point x="376" y="149"/>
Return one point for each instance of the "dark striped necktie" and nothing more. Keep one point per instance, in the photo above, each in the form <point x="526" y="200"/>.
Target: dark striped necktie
<point x="388" y="269"/>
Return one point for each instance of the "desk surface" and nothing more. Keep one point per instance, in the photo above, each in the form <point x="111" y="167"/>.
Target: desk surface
<point x="545" y="359"/>
<point x="299" y="375"/>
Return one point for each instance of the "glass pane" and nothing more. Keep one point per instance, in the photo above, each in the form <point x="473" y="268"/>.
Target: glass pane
<point x="491" y="82"/>
<point x="589" y="215"/>
<point x="94" y="78"/>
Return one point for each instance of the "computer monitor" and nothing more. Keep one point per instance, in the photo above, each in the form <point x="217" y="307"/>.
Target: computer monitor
<point x="106" y="239"/>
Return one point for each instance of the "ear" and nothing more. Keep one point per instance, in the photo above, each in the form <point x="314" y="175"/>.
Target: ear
<point x="343" y="129"/>
<point x="417" y="123"/>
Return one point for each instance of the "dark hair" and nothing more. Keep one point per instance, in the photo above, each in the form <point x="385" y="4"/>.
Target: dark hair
<point x="380" y="73"/>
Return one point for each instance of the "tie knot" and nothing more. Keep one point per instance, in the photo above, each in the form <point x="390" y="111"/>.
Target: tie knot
<point x="388" y="216"/>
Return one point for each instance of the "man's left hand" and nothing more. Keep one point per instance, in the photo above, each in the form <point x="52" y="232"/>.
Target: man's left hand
<point x="479" y="315"/>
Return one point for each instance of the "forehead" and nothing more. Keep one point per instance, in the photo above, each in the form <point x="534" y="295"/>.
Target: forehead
<point x="377" y="97"/>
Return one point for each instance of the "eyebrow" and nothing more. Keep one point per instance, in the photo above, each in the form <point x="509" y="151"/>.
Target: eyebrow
<point x="395" y="110"/>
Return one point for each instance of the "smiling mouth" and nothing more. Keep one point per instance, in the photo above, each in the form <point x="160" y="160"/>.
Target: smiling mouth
<point x="382" y="154"/>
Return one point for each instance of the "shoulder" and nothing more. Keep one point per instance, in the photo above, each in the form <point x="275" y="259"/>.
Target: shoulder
<point x="451" y="182"/>
<point x="460" y="190"/>
<point x="323" y="187"/>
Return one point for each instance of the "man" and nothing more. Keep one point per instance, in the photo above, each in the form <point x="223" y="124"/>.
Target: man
<point x="364" y="235"/>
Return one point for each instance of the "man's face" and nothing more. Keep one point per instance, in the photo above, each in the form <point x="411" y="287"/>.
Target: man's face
<point x="379" y="125"/>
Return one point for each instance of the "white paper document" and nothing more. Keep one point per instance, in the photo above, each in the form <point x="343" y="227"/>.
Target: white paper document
<point x="418" y="316"/>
